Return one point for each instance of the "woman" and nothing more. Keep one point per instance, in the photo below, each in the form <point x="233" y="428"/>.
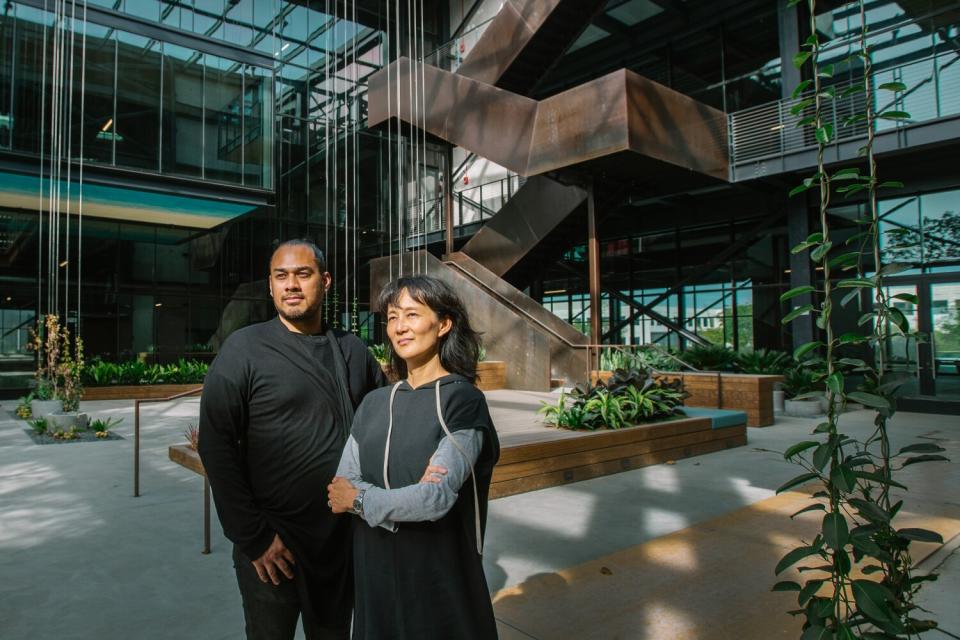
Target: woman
<point x="413" y="446"/>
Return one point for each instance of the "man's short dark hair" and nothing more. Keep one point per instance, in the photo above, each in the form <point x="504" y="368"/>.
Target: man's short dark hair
<point x="303" y="242"/>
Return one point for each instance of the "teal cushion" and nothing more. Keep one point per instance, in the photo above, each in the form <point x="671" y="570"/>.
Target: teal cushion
<point x="719" y="418"/>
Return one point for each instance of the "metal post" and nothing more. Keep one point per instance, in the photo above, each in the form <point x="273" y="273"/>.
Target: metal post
<point x="136" y="448"/>
<point x="206" y="515"/>
<point x="593" y="260"/>
<point x="448" y="199"/>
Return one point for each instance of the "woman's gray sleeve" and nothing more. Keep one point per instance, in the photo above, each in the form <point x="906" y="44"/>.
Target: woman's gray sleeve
<point x="427" y="500"/>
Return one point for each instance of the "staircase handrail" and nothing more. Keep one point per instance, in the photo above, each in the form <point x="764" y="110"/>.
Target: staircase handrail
<point x="514" y="307"/>
<point x="136" y="430"/>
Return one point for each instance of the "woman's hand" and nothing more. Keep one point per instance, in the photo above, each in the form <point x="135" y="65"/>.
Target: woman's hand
<point x="340" y="495"/>
<point x="433" y="474"/>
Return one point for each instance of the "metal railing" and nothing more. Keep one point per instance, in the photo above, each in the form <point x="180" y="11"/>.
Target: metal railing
<point x="470" y="206"/>
<point x="771" y="130"/>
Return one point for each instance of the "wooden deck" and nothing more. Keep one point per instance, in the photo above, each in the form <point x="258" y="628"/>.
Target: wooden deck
<point x="535" y="456"/>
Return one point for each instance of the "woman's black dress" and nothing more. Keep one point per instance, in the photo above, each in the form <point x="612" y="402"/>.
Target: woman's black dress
<point x="425" y="580"/>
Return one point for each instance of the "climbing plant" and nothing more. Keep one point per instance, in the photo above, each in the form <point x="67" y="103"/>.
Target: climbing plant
<point x="863" y="586"/>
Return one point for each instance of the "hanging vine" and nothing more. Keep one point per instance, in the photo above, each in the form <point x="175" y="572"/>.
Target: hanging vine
<point x="866" y="584"/>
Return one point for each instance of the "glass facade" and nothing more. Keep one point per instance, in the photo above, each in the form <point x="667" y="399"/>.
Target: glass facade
<point x="137" y="102"/>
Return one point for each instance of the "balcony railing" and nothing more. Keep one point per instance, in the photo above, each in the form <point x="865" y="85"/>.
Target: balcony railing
<point x="771" y="130"/>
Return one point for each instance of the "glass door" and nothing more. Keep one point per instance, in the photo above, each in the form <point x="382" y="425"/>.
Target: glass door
<point x="944" y="320"/>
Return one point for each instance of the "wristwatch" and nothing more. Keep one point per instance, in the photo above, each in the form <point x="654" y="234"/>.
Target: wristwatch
<point x="358" y="502"/>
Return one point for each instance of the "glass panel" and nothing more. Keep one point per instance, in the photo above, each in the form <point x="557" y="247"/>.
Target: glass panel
<point x="223" y="99"/>
<point x="28" y="102"/>
<point x="900" y="230"/>
<point x="902" y="353"/>
<point x="941" y="226"/>
<point x="239" y="17"/>
<point x="6" y="78"/>
<point x="257" y="120"/>
<point x="147" y="9"/>
<point x="137" y="123"/>
<point x="945" y="311"/>
<point x="182" y="111"/>
<point x="94" y="96"/>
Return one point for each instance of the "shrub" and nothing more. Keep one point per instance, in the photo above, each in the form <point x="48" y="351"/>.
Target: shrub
<point x="629" y="397"/>
<point x="710" y="358"/>
<point x="764" y="362"/>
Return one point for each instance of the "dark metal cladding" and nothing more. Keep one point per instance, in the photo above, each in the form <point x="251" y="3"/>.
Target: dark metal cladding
<point x="537" y="208"/>
<point x="619" y="112"/>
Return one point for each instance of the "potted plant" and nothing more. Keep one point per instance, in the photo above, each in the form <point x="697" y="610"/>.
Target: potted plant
<point x="798" y="383"/>
<point x="58" y="388"/>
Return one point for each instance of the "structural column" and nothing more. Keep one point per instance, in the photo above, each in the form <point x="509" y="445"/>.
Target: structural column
<point x="593" y="261"/>
<point x="448" y="198"/>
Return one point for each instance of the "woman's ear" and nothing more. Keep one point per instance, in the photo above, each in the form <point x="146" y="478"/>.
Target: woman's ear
<point x="446" y="324"/>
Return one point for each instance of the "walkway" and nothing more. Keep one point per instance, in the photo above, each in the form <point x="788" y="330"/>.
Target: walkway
<point x="669" y="551"/>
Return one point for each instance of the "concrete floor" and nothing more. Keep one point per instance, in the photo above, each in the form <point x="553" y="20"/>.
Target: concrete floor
<point x="669" y="551"/>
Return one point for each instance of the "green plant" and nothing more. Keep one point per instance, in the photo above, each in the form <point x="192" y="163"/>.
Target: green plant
<point x="629" y="396"/>
<point x="39" y="426"/>
<point x="764" y="362"/>
<point x="380" y="353"/>
<point x="613" y="358"/>
<point x="192" y="434"/>
<point x="24" y="411"/>
<point x="607" y="407"/>
<point x="101" y="426"/>
<point x="481" y="354"/>
<point x="863" y="586"/>
<point x="801" y="381"/>
<point x="710" y="358"/>
<point x="60" y="362"/>
<point x="71" y="434"/>
<point x="44" y="390"/>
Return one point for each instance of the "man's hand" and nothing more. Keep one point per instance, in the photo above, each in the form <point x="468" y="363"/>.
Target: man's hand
<point x="275" y="560"/>
<point x="340" y="495"/>
<point x="433" y="474"/>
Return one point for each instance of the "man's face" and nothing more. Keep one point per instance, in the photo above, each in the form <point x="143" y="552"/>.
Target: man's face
<point x="296" y="284"/>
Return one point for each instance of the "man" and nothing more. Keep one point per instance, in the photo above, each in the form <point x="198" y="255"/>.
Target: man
<point x="275" y="413"/>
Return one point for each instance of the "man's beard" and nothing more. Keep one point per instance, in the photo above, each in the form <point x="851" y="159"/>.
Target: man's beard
<point x="298" y="315"/>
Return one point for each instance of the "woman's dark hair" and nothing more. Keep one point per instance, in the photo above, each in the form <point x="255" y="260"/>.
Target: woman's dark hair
<point x="459" y="347"/>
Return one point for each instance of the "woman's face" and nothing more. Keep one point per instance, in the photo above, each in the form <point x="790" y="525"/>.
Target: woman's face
<point x="415" y="329"/>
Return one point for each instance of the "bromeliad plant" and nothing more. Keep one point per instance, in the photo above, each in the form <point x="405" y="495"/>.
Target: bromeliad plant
<point x="859" y="582"/>
<point x="629" y="397"/>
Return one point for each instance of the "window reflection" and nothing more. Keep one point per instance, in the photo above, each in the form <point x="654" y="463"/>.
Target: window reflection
<point x="136" y="126"/>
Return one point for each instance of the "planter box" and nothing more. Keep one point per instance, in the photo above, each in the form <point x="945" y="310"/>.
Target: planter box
<point x="492" y="374"/>
<point x="804" y="408"/>
<point x="752" y="394"/>
<point x="67" y="421"/>
<point x="137" y="391"/>
<point x="43" y="408"/>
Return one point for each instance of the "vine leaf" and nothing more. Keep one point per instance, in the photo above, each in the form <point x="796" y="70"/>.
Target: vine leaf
<point x="917" y="459"/>
<point x="872" y="600"/>
<point x="800" y="479"/>
<point x="796" y="313"/>
<point x="869" y="399"/>
<point x="795" y="556"/>
<point x="796" y="291"/>
<point x="921" y="447"/>
<point x="835" y="531"/>
<point x="812" y="507"/>
<point x="799" y="448"/>
<point x="786" y="585"/>
<point x="920" y="535"/>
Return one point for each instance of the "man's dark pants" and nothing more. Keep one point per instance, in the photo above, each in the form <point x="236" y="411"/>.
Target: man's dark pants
<point x="271" y="611"/>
